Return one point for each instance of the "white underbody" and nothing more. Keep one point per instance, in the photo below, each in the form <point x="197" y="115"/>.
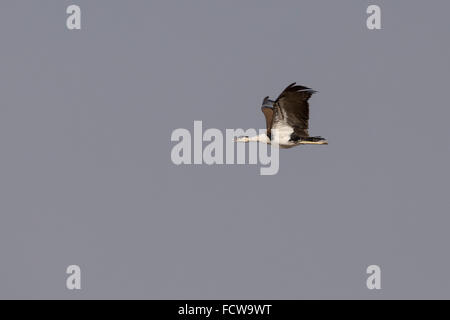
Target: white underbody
<point x="280" y="137"/>
<point x="281" y="134"/>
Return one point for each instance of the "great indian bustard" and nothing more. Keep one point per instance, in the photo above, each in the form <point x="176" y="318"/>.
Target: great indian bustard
<point x="287" y="119"/>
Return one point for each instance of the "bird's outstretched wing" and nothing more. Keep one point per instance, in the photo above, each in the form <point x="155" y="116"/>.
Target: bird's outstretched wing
<point x="292" y="107"/>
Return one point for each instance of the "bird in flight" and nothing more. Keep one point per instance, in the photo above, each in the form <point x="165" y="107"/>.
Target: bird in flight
<point x="287" y="119"/>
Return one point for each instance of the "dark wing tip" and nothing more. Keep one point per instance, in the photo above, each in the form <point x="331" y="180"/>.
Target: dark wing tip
<point x="293" y="87"/>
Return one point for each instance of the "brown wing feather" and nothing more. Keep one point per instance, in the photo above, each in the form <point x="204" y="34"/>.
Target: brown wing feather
<point x="293" y="102"/>
<point x="268" y="114"/>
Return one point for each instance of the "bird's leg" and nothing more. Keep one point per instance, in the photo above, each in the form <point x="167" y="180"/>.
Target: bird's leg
<point x="313" y="140"/>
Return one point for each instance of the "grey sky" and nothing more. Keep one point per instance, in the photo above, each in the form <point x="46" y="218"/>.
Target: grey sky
<point x="86" y="176"/>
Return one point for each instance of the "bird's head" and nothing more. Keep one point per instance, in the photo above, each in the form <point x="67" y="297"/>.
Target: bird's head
<point x="267" y="102"/>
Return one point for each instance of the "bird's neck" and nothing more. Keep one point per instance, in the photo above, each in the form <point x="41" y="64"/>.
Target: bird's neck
<point x="260" y="138"/>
